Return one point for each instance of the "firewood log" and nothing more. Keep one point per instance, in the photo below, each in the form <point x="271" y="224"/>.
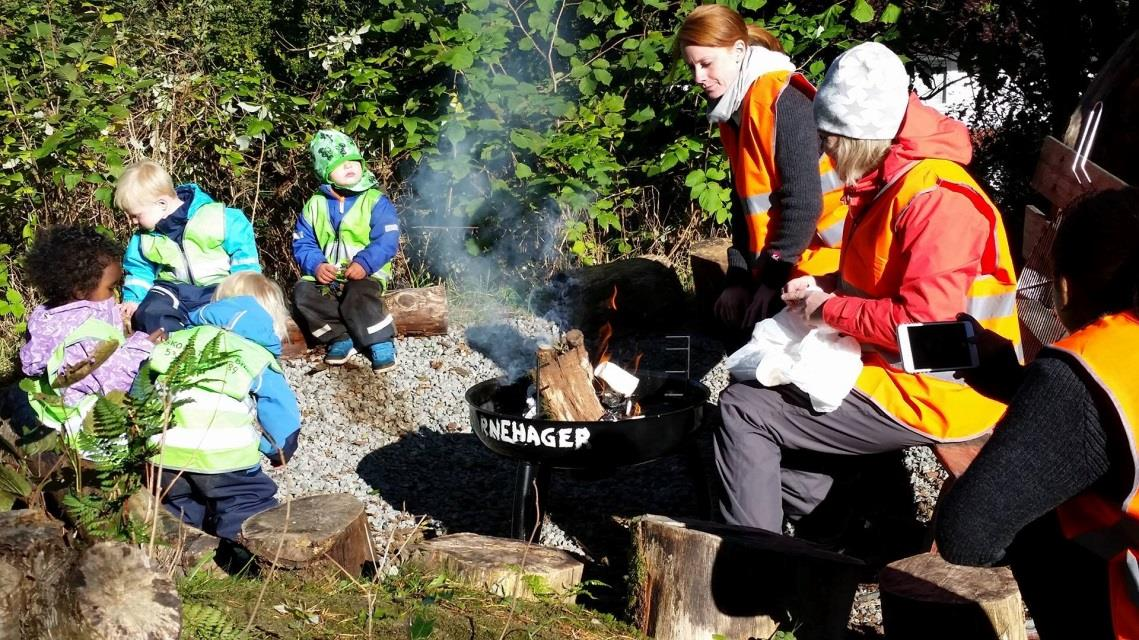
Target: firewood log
<point x="565" y="381"/>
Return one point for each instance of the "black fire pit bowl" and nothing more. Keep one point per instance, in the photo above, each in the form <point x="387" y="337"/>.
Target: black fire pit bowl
<point x="671" y="409"/>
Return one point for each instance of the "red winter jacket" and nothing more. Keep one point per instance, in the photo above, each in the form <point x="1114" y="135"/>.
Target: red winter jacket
<point x="941" y="235"/>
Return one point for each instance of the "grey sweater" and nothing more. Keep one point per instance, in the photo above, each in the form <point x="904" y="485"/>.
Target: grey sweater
<point x="799" y="197"/>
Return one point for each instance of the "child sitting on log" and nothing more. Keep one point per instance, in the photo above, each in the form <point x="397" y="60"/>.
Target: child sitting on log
<point x="76" y="347"/>
<point x="344" y="242"/>
<point x="237" y="408"/>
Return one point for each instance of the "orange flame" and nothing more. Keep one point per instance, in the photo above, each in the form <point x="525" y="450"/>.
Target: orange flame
<point x="604" y="334"/>
<point x="613" y="299"/>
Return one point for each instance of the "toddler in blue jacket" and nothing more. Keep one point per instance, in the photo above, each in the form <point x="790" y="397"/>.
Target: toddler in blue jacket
<point x="184" y="246"/>
<point x="235" y="412"/>
<point x="344" y="243"/>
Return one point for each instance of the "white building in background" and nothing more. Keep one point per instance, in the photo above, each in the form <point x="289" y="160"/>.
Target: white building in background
<point x="949" y="90"/>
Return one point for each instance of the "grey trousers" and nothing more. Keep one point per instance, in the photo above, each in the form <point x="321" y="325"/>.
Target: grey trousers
<point x="760" y="424"/>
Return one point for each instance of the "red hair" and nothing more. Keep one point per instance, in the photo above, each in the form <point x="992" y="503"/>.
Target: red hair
<point x="714" y="25"/>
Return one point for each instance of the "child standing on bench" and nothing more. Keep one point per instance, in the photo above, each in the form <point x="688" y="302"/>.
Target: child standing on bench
<point x="344" y="243"/>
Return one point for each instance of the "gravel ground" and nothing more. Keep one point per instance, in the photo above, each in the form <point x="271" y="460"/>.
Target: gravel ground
<point x="401" y="441"/>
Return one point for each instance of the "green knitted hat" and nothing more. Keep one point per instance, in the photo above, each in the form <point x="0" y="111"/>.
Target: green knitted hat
<point x="330" y="149"/>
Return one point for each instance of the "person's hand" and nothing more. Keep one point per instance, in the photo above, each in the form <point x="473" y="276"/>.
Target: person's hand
<point x="325" y="273"/>
<point x="797" y="289"/>
<point x="813" y="307"/>
<point x="761" y="305"/>
<point x="729" y="307"/>
<point x="998" y="371"/>
<point x="157" y="336"/>
<point x="126" y="311"/>
<point x="355" y="272"/>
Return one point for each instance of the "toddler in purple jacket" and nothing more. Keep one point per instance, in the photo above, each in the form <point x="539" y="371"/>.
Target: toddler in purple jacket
<point x="77" y="347"/>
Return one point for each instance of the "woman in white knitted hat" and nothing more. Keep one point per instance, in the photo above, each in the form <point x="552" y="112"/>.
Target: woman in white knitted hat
<point x="922" y="243"/>
<point x="787" y="213"/>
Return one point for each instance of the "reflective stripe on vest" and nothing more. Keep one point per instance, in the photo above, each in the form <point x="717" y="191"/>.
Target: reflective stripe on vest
<point x="46" y="400"/>
<point x="751" y="154"/>
<point x="214" y="423"/>
<point x="201" y="259"/>
<point x="342" y="244"/>
<point x="935" y="404"/>
<point x="1109" y="524"/>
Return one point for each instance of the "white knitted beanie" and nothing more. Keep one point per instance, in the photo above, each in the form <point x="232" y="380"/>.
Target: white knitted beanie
<point x="864" y="94"/>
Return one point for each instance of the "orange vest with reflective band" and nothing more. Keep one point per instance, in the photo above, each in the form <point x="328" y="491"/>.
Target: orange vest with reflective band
<point x="935" y="404"/>
<point x="751" y="154"/>
<point x="1108" y="349"/>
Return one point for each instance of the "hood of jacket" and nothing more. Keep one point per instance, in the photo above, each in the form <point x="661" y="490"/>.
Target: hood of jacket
<point x="243" y="316"/>
<point x="192" y="198"/>
<point x="925" y="133"/>
<point x="48" y="328"/>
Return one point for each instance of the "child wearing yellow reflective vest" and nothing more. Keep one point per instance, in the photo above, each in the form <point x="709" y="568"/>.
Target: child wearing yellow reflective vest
<point x="210" y="454"/>
<point x="184" y="246"/>
<point x="344" y="242"/>
<point x="76" y="347"/>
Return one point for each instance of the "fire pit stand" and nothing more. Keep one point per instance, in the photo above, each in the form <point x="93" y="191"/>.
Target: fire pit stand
<point x="671" y="413"/>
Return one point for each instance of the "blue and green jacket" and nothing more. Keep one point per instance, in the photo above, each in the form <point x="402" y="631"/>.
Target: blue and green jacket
<point x="238" y="243"/>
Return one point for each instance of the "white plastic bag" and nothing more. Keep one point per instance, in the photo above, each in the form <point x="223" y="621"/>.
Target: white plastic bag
<point x="784" y="349"/>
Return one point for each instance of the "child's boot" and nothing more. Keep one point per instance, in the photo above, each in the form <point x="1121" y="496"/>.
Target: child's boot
<point x="382" y="355"/>
<point x="339" y="352"/>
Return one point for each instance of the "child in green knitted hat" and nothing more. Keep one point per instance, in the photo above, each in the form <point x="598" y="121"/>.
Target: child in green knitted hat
<point x="345" y="239"/>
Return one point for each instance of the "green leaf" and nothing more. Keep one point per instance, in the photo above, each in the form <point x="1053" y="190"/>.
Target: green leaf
<point x="891" y="13"/>
<point x="603" y="76"/>
<point x="565" y="49"/>
<point x="460" y="58"/>
<point x="695" y="177"/>
<point x="392" y="25"/>
<point x="522" y="171"/>
<point x="753" y="5"/>
<point x="67" y="72"/>
<point x="669" y="161"/>
<point x="862" y="11"/>
<point x="71" y="180"/>
<point x="469" y="22"/>
<point x="643" y="115"/>
<point x="14" y="483"/>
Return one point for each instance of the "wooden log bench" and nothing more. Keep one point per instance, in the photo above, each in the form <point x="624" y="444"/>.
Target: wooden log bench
<point x="418" y="311"/>
<point x="693" y="579"/>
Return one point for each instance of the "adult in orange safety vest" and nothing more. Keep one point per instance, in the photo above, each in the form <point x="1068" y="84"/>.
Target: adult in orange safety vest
<point x="922" y="242"/>
<point x="787" y="214"/>
<point x="1054" y="492"/>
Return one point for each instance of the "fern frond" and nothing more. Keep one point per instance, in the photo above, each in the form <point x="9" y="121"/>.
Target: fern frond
<point x="203" y="622"/>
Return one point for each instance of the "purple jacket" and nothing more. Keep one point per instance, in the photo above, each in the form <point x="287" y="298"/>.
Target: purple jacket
<point x="47" y="329"/>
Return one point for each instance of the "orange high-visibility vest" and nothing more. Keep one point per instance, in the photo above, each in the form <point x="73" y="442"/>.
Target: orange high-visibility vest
<point x="751" y="154"/>
<point x="1109" y="524"/>
<point x="936" y="404"/>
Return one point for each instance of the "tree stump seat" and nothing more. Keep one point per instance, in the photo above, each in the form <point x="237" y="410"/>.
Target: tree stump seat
<point x="502" y="566"/>
<point x="924" y="596"/>
<point x="323" y="530"/>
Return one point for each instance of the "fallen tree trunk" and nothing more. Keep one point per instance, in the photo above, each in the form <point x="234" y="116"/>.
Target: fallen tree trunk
<point x="926" y="597"/>
<point x="108" y="591"/>
<point x="709" y="262"/>
<point x="697" y="579"/>
<point x="564" y="380"/>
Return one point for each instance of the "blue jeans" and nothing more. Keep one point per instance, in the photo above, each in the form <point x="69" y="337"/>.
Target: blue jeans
<point x="218" y="503"/>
